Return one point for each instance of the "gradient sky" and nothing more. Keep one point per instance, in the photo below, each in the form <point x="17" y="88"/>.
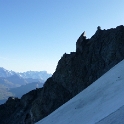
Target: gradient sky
<point x="34" y="34"/>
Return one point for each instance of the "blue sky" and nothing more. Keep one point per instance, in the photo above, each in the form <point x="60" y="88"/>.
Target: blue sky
<point x="34" y="34"/>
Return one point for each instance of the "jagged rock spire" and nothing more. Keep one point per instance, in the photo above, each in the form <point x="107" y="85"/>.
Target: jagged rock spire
<point x="81" y="42"/>
<point x="84" y="34"/>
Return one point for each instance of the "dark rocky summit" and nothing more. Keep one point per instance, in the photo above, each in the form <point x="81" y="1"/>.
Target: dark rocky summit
<point x="74" y="72"/>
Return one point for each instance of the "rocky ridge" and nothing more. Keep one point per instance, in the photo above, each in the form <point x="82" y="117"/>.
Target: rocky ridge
<point x="74" y="72"/>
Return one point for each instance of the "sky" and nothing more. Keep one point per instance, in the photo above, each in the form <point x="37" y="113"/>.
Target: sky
<point x="34" y="34"/>
<point x="100" y="103"/>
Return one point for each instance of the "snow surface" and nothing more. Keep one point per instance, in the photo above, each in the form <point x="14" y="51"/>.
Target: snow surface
<point x="101" y="103"/>
<point x="116" y="117"/>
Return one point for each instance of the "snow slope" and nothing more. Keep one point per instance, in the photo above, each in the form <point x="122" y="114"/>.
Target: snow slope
<point x="116" y="117"/>
<point x="101" y="103"/>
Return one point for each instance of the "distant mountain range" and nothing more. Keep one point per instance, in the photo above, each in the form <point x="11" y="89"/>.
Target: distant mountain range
<point x="43" y="75"/>
<point x="17" y="91"/>
<point x="11" y="79"/>
<point x="16" y="84"/>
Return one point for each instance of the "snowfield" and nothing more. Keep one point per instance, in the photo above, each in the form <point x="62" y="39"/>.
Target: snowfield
<point x="100" y="103"/>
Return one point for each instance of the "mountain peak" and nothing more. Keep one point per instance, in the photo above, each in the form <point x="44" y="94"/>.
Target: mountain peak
<point x="74" y="72"/>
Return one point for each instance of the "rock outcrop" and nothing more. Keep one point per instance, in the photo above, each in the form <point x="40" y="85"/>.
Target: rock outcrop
<point x="81" y="43"/>
<point x="74" y="72"/>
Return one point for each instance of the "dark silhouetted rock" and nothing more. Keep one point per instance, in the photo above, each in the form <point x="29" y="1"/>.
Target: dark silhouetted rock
<point x="80" y="44"/>
<point x="74" y="72"/>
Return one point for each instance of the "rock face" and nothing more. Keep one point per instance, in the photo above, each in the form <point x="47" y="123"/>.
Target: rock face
<point x="74" y="72"/>
<point x="78" y="70"/>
